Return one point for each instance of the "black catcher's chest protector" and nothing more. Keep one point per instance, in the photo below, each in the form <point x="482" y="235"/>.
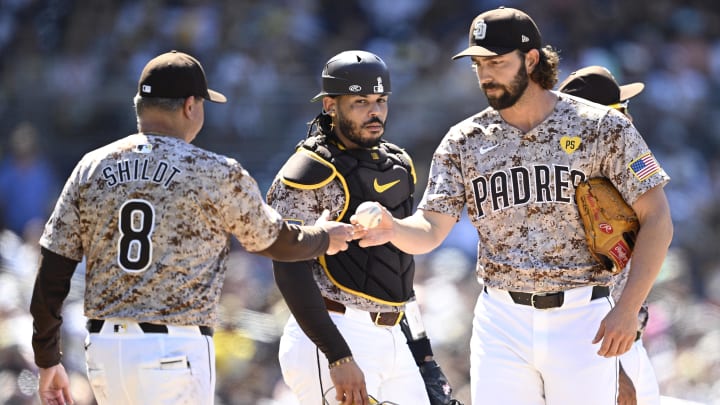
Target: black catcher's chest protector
<point x="376" y="175"/>
<point x="384" y="174"/>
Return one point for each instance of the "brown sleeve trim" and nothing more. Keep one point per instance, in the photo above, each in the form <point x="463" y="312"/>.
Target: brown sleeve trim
<point x="298" y="243"/>
<point x="52" y="285"/>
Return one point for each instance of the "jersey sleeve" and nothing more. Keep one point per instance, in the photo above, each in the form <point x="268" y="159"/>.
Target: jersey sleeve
<point x="628" y="162"/>
<point x="62" y="231"/>
<point x="254" y="223"/>
<point x="445" y="191"/>
<point x="302" y="206"/>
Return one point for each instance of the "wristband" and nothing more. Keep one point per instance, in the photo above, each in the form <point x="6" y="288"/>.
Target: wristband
<point x="343" y="360"/>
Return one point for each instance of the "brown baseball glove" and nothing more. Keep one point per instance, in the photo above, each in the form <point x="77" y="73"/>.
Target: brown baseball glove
<point x="611" y="225"/>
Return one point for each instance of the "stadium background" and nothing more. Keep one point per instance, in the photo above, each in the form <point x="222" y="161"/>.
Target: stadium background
<point x="68" y="72"/>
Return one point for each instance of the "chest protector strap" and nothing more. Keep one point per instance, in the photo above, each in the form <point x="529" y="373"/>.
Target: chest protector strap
<point x="384" y="174"/>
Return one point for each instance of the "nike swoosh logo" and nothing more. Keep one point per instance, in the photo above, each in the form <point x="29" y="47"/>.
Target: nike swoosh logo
<point x="381" y="188"/>
<point x="487" y="149"/>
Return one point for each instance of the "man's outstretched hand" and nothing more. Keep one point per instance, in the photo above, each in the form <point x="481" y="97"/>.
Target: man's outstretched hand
<point x="379" y="234"/>
<point x="340" y="233"/>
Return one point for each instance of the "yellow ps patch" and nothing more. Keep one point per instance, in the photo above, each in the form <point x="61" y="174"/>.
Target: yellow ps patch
<point x="570" y="144"/>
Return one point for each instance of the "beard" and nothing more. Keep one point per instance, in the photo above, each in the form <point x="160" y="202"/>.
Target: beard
<point x="511" y="93"/>
<point x="354" y="132"/>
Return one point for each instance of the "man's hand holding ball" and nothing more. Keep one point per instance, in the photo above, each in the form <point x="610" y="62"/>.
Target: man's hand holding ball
<point x="373" y="223"/>
<point x="368" y="214"/>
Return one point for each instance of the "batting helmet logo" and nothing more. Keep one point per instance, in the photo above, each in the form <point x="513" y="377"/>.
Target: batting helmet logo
<point x="379" y="88"/>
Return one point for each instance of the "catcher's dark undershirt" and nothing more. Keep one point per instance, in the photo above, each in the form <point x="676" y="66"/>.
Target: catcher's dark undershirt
<point x="297" y="285"/>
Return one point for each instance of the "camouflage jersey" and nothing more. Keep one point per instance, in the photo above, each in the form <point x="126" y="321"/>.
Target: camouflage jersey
<point x="302" y="204"/>
<point x="519" y="189"/>
<point x="153" y="216"/>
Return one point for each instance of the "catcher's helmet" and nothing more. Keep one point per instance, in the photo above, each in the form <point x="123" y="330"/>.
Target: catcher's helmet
<point x="354" y="72"/>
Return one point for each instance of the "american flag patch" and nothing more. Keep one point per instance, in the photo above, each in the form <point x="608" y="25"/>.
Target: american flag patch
<point x="644" y="166"/>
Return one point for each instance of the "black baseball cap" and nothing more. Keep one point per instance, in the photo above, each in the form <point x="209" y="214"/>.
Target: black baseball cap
<point x="597" y="84"/>
<point x="176" y="75"/>
<point x="500" y="31"/>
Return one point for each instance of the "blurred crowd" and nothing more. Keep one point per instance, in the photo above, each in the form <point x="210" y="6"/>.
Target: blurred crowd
<point x="69" y="69"/>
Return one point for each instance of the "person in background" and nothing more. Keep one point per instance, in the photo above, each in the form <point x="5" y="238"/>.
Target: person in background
<point x="638" y="383"/>
<point x="28" y="184"/>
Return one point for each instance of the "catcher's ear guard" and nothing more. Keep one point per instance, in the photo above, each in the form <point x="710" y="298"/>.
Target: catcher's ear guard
<point x="610" y="224"/>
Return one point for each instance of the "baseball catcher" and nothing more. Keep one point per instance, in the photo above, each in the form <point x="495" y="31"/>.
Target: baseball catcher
<point x="610" y="223"/>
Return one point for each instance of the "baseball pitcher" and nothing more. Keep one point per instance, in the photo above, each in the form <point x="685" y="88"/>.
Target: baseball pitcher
<point x="545" y="329"/>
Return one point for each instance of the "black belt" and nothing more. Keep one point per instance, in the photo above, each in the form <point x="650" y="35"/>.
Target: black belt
<point x="378" y="318"/>
<point x="95" y="325"/>
<point x="551" y="300"/>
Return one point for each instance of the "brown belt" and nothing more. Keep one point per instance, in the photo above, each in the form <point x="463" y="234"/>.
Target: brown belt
<point x="378" y="318"/>
<point x="551" y="300"/>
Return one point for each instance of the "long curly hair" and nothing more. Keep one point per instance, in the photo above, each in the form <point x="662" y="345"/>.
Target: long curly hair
<point x="546" y="72"/>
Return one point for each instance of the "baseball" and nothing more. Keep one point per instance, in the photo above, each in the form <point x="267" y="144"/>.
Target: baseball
<point x="368" y="214"/>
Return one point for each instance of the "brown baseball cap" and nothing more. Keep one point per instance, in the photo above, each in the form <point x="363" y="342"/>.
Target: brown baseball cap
<point x="176" y="75"/>
<point x="597" y="84"/>
<point x="500" y="31"/>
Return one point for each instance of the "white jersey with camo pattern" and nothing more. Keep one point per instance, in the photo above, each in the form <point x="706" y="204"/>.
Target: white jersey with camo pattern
<point x="153" y="215"/>
<point x="519" y="189"/>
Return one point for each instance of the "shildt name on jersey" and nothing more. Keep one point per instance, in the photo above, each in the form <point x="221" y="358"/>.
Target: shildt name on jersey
<point x="127" y="170"/>
<point x="522" y="185"/>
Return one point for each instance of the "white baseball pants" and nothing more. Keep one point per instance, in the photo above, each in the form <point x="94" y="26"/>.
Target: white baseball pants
<point x="381" y="353"/>
<point x="127" y="366"/>
<point x="637" y="366"/>
<point x="523" y="355"/>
